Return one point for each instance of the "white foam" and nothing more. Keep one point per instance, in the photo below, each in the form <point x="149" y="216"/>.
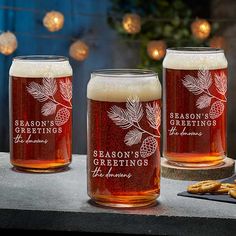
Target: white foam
<point x="194" y="60"/>
<point x="119" y="88"/>
<point x="40" y="68"/>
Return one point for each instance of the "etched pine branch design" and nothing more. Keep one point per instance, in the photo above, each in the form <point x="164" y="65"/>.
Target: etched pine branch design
<point x="46" y="92"/>
<point x="131" y="117"/>
<point x="154" y="115"/>
<point x="221" y="83"/>
<point x="201" y="86"/>
<point x="66" y="90"/>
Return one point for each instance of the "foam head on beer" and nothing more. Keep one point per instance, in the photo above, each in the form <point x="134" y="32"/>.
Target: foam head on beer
<point x="120" y="85"/>
<point x="192" y="59"/>
<point x="39" y="67"/>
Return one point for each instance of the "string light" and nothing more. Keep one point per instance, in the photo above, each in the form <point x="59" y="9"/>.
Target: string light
<point x="53" y="21"/>
<point x="8" y="43"/>
<point x="218" y="42"/>
<point x="37" y="11"/>
<point x="131" y="23"/>
<point x="201" y="29"/>
<point x="156" y="49"/>
<point x="79" y="50"/>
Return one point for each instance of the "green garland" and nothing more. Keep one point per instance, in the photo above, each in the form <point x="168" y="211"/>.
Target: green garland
<point x="161" y="20"/>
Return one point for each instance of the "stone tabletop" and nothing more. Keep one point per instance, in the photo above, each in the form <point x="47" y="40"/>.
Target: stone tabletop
<point x="59" y="202"/>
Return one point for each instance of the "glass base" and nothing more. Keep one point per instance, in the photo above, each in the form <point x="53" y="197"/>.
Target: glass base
<point x="125" y="201"/>
<point x="41" y="170"/>
<point x="194" y="160"/>
<point x="196" y="164"/>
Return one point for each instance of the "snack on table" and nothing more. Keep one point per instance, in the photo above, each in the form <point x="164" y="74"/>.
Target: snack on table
<point x="213" y="187"/>
<point x="232" y="192"/>
<point x="206" y="186"/>
<point x="224" y="188"/>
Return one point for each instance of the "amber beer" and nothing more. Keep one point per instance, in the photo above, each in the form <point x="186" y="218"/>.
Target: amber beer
<point x="124" y="137"/>
<point x="195" y="103"/>
<point x="40" y="113"/>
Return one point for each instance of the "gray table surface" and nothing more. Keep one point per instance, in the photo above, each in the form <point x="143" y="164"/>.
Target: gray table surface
<point x="60" y="202"/>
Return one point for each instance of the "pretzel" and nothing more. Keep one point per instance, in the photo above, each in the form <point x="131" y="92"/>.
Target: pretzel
<point x="232" y="192"/>
<point x="224" y="188"/>
<point x="206" y="186"/>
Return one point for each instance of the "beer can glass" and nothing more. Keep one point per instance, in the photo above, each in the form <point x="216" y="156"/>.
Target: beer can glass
<point x="195" y="103"/>
<point x="124" y="118"/>
<point x="40" y="113"/>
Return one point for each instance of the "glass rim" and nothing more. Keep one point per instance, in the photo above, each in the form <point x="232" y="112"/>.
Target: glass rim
<point x="41" y="58"/>
<point x="194" y="50"/>
<point x="129" y="72"/>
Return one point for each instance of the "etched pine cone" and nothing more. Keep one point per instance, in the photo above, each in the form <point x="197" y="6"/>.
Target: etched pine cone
<point x="148" y="147"/>
<point x="62" y="116"/>
<point x="216" y="110"/>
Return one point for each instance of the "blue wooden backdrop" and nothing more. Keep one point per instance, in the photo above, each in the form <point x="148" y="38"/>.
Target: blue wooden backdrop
<point x="84" y="19"/>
